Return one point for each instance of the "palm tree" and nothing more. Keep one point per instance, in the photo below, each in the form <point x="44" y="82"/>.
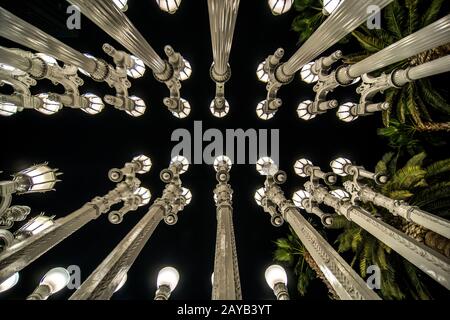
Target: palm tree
<point x="416" y="101"/>
<point x="292" y="252"/>
<point x="425" y="186"/>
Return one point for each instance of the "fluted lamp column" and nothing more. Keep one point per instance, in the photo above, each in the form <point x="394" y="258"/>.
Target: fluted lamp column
<point x="347" y="284"/>
<point x="226" y="283"/>
<point x="116" y="24"/>
<point x="21" y="254"/>
<point x="102" y="282"/>
<point x="347" y="17"/>
<point x="166" y="282"/>
<point x="276" y="278"/>
<point x="222" y="21"/>
<point x="431" y="262"/>
<point x="53" y="281"/>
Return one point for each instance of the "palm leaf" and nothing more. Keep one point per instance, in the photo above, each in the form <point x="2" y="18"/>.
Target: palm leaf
<point x="434" y="99"/>
<point x="437" y="168"/>
<point x="432" y="12"/>
<point x="370" y="43"/>
<point x="404" y="179"/>
<point x="395" y="14"/>
<point x="413" y="17"/>
<point x="382" y="164"/>
<point x="400" y="195"/>
<point x="416" y="160"/>
<point x="412" y="105"/>
<point x="432" y="194"/>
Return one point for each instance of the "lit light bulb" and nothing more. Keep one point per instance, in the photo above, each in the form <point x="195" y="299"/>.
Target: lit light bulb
<point x="266" y="166"/>
<point x="259" y="195"/>
<point x="186" y="194"/>
<point x="8" y="109"/>
<point x="144" y="194"/>
<point x="303" y="110"/>
<point x="95" y="104"/>
<point x="56" y="279"/>
<point x="275" y="274"/>
<point x="9" y="283"/>
<point x="146" y="163"/>
<point x="121" y="4"/>
<point x="280" y="6"/>
<point x="341" y="194"/>
<point x="180" y="161"/>
<point x="186" y="72"/>
<point x="49" y="107"/>
<point x="138" y="68"/>
<point x="299" y="167"/>
<point x="329" y="6"/>
<point x="298" y="198"/>
<point x="338" y="166"/>
<point x="261" y="74"/>
<point x="222" y="160"/>
<point x="139" y="107"/>
<point x="260" y="111"/>
<point x="38" y="178"/>
<point x="185" y="109"/>
<point x="168" y="276"/>
<point x="169" y="6"/>
<point x="307" y="74"/>
<point x="344" y="112"/>
<point x="219" y="112"/>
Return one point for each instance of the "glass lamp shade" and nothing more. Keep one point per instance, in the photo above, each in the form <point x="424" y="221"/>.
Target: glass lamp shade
<point x="122" y="283"/>
<point x="48" y="59"/>
<point x="90" y="57"/>
<point x="144" y="194"/>
<point x="146" y="163"/>
<point x="307" y="74"/>
<point x="186" y="72"/>
<point x="8" y="109"/>
<point x="280" y="6"/>
<point x="185" y="110"/>
<point x="56" y="279"/>
<point x="9" y="283"/>
<point x="298" y="198"/>
<point x="186" y="194"/>
<point x="95" y="104"/>
<point x="303" y="112"/>
<point x="329" y="6"/>
<point x="260" y="111"/>
<point x="169" y="6"/>
<point x="259" y="195"/>
<point x="138" y="68"/>
<point x="341" y="194"/>
<point x="275" y="274"/>
<point x="38" y="178"/>
<point x="266" y="166"/>
<point x="219" y="113"/>
<point x="121" y="4"/>
<point x="36" y="225"/>
<point x="49" y="107"/>
<point x="344" y="112"/>
<point x="180" y="160"/>
<point x="168" y="276"/>
<point x="222" y="159"/>
<point x="261" y="74"/>
<point x="139" y="107"/>
<point x="338" y="166"/>
<point x="299" y="167"/>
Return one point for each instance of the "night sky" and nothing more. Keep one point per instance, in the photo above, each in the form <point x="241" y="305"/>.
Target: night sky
<point x="85" y="147"/>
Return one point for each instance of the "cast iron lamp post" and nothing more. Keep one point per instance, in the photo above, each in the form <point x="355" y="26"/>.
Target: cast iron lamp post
<point x="102" y="282"/>
<point x="276" y="278"/>
<point x="347" y="17"/>
<point x="116" y="24"/>
<point x="363" y="192"/>
<point x="432" y="263"/>
<point x="226" y="282"/>
<point x="21" y="254"/>
<point x="53" y="281"/>
<point x="166" y="282"/>
<point x="344" y="280"/>
<point x="222" y="21"/>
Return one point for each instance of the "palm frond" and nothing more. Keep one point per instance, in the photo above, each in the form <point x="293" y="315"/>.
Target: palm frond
<point x="433" y="98"/>
<point x="371" y="43"/>
<point x="382" y="165"/>
<point x="437" y="168"/>
<point x="413" y="16"/>
<point x="395" y="16"/>
<point x="416" y="160"/>
<point x="432" y="12"/>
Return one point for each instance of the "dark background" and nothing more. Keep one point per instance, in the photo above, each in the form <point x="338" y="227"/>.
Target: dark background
<point x="85" y="147"/>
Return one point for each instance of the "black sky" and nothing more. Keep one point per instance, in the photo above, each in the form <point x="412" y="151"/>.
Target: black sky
<point x="85" y="147"/>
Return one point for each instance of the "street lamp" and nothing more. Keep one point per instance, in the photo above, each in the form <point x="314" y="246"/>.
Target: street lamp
<point x="167" y="281"/>
<point x="49" y="106"/>
<point x="53" y="281"/>
<point x="305" y="168"/>
<point x="34" y="226"/>
<point x="303" y="200"/>
<point x="169" y="6"/>
<point x="329" y="6"/>
<point x="186" y="72"/>
<point x="9" y="283"/>
<point x="308" y="74"/>
<point x="94" y="104"/>
<point x="184" y="110"/>
<point x="138" y="68"/>
<point x="280" y="6"/>
<point x="121" y="4"/>
<point x="344" y="167"/>
<point x="260" y="112"/>
<point x="261" y="73"/>
<point x="276" y="278"/>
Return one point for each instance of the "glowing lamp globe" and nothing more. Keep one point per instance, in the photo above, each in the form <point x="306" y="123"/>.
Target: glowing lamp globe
<point x="275" y="274"/>
<point x="56" y="279"/>
<point x="168" y="276"/>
